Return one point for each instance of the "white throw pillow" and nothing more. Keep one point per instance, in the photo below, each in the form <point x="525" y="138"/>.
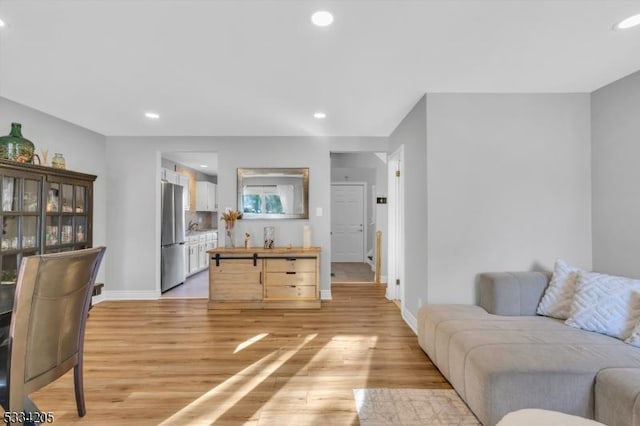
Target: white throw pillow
<point x="634" y="339"/>
<point x="605" y="304"/>
<point x="558" y="295"/>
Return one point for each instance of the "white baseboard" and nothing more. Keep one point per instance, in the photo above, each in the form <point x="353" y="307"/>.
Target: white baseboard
<point x="97" y="299"/>
<point x="325" y="294"/>
<point x="411" y="321"/>
<point x="371" y="264"/>
<point x="131" y="295"/>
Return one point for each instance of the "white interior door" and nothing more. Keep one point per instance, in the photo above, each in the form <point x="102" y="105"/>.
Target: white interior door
<point x="347" y="223"/>
<point x="395" y="285"/>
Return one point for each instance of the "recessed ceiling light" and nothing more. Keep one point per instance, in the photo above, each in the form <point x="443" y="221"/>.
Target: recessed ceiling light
<point x="151" y="115"/>
<point x="322" y="18"/>
<point x="204" y="166"/>
<point x="320" y="115"/>
<point x="2" y="24"/>
<point x="630" y="22"/>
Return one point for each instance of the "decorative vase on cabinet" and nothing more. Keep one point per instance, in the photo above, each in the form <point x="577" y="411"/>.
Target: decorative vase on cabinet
<point x="230" y="234"/>
<point x="58" y="162"/>
<point x="16" y="148"/>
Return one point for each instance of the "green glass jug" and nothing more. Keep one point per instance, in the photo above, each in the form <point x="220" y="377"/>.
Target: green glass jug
<point x="16" y="148"/>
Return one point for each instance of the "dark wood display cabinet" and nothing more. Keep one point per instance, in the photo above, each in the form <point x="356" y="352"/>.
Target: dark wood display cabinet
<point x="42" y="210"/>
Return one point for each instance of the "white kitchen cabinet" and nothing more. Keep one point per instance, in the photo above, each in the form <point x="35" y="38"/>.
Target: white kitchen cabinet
<point x="212" y="240"/>
<point x="197" y="246"/>
<point x="186" y="258"/>
<point x="206" y="196"/>
<point x="192" y="243"/>
<point x="202" y="255"/>
<point x="193" y="259"/>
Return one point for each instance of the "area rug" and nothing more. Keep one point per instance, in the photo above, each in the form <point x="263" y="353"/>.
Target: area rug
<point x="409" y="407"/>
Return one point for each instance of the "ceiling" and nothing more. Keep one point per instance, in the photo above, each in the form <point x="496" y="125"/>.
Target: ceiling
<point x="259" y="67"/>
<point x="195" y="161"/>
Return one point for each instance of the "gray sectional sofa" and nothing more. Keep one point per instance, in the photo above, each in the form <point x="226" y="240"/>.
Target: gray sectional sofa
<point x="501" y="356"/>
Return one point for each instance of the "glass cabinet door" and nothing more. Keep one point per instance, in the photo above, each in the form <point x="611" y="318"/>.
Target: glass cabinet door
<point x="20" y="221"/>
<point x="10" y="186"/>
<point x="81" y="199"/>
<point x="67" y="221"/>
<point x="67" y="198"/>
<point x="31" y="196"/>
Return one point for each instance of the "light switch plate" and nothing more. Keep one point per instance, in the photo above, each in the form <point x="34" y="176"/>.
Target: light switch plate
<point x="318" y="211"/>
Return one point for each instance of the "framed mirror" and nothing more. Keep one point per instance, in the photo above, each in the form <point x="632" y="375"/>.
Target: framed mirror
<point x="268" y="193"/>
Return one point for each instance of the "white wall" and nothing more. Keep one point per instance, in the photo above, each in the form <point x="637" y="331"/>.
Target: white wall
<point x="615" y="121"/>
<point x="508" y="187"/>
<point x="411" y="133"/>
<point x="134" y="197"/>
<point x="83" y="150"/>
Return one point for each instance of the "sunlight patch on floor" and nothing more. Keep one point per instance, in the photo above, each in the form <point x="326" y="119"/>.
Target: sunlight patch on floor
<point x="358" y="363"/>
<point x="250" y="341"/>
<point x="207" y="408"/>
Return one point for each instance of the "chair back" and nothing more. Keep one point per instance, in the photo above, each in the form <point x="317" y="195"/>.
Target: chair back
<point x="53" y="295"/>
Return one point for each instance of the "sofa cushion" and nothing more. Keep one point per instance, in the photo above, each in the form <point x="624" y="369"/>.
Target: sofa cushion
<point x="429" y="319"/>
<point x="557" y="298"/>
<point x="511" y="293"/>
<point x="605" y="304"/>
<point x="502" y="363"/>
<point x="617" y="396"/>
<point x="555" y="376"/>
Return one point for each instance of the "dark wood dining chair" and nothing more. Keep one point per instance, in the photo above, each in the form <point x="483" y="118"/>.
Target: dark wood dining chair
<point x="46" y="337"/>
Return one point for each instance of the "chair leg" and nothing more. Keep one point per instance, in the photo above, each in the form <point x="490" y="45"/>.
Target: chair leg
<point x="78" y="384"/>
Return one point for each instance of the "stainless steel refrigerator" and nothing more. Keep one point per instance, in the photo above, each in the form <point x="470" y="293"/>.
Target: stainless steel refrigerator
<point x="172" y="237"/>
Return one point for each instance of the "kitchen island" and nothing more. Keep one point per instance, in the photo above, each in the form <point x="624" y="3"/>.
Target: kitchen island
<point x="258" y="278"/>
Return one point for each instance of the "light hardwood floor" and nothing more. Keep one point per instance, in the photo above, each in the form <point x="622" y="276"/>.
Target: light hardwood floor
<point x="351" y="272"/>
<point x="195" y="287"/>
<point x="172" y="362"/>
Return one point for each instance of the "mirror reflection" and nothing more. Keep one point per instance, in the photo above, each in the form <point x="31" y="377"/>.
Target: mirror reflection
<point x="268" y="193"/>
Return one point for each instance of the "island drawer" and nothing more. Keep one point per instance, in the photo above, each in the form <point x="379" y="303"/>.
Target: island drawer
<point x="290" y="292"/>
<point x="290" y="265"/>
<point x="284" y="278"/>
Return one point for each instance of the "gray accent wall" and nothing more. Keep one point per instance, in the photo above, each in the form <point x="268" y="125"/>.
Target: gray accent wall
<point x="412" y="134"/>
<point x="508" y="187"/>
<point x="134" y="171"/>
<point x="615" y="124"/>
<point x="83" y="150"/>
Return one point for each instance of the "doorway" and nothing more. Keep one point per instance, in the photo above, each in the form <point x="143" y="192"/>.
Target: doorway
<point x="196" y="173"/>
<point x="395" y="287"/>
<point x="349" y="233"/>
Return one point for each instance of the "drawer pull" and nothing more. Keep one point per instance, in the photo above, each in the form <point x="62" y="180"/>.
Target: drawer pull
<point x="292" y="286"/>
<point x="290" y="273"/>
<point x="291" y="259"/>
